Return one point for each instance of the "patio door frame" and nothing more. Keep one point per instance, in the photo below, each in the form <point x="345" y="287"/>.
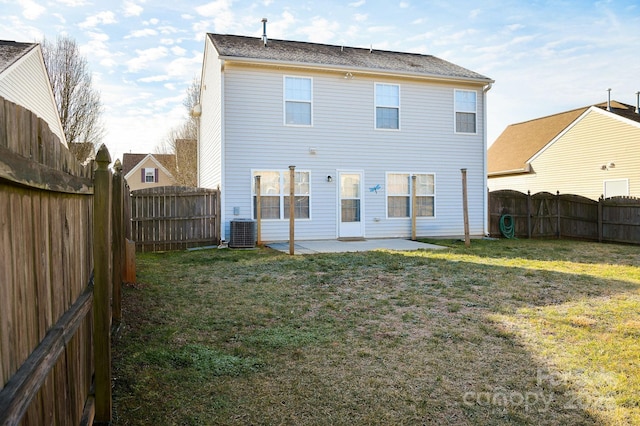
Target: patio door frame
<point x="350" y="229"/>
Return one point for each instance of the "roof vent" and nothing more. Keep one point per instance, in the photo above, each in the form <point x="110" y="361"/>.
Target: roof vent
<point x="609" y="100"/>
<point x="637" y="102"/>
<point x="264" y="31"/>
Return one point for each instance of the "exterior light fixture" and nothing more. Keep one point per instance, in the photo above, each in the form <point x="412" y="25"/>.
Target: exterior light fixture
<point x="329" y="178"/>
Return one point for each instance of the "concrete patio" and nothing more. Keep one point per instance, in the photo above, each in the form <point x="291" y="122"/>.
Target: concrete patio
<point x="343" y="246"/>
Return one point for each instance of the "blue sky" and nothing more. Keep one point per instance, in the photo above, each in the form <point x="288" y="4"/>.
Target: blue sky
<point x="546" y="56"/>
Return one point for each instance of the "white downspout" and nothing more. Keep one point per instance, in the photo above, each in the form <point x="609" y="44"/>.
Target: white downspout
<point x="485" y="196"/>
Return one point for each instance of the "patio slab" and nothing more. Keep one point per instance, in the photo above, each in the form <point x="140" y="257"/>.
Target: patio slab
<point x="340" y="246"/>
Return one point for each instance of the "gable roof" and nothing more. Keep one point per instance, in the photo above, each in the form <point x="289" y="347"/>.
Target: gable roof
<point x="11" y="51"/>
<point x="165" y="162"/>
<point x="518" y="143"/>
<point x="339" y="57"/>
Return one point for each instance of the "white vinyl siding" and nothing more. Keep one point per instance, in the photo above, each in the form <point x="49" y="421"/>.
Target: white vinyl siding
<point x="465" y="111"/>
<point x="210" y="147"/>
<point x="387" y="106"/>
<point x="345" y="138"/>
<point x="399" y="191"/>
<point x="298" y="101"/>
<point x="26" y="83"/>
<point x="275" y="194"/>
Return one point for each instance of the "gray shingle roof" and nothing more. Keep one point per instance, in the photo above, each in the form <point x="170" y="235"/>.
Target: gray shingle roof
<point x="11" y="51"/>
<point x="313" y="54"/>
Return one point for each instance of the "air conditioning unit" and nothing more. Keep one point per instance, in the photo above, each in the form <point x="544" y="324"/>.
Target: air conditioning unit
<point x="243" y="234"/>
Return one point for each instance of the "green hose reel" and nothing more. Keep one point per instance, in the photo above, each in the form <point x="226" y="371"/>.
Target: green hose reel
<point x="507" y="227"/>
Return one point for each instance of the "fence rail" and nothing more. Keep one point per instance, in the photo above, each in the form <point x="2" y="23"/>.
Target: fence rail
<point x="546" y="215"/>
<point x="175" y="218"/>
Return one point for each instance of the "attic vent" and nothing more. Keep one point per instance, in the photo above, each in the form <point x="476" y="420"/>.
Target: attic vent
<point x="242" y="234"/>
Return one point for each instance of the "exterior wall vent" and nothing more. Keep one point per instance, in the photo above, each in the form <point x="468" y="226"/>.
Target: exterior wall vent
<point x="243" y="233"/>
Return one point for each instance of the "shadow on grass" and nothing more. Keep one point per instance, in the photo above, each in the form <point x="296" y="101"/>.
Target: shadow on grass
<point x="363" y="338"/>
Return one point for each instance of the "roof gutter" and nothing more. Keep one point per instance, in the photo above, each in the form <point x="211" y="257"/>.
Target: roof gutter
<point x="526" y="169"/>
<point x="345" y="68"/>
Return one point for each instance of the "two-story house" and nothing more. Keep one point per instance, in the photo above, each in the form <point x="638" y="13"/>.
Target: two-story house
<point x="356" y="123"/>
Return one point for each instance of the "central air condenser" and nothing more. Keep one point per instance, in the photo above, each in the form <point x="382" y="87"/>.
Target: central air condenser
<point x="243" y="234"/>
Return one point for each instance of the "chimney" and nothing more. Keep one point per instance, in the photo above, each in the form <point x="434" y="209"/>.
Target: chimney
<point x="264" y="31"/>
<point x="609" y="100"/>
<point x="637" y="102"/>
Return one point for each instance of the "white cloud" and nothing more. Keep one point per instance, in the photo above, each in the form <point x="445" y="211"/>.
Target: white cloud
<point x="152" y="21"/>
<point x="132" y="9"/>
<point x="93" y="21"/>
<point x="154" y="79"/>
<point x="357" y="3"/>
<point x="321" y="30"/>
<point x="147" y="32"/>
<point x="31" y="10"/>
<point x="186" y="17"/>
<point x="404" y="5"/>
<point x="73" y="3"/>
<point x="145" y="57"/>
<point x="185" y="67"/>
<point x="214" y="8"/>
<point x="178" y="51"/>
<point x="360" y="17"/>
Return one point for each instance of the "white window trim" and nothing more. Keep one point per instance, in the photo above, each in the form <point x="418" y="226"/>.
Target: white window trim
<point x="455" y="111"/>
<point x="284" y="100"/>
<point x="281" y="195"/>
<point x="150" y="171"/>
<point x="387" y="195"/>
<point x="375" y="107"/>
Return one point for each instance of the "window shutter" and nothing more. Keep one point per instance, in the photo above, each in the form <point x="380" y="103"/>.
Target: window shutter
<point x="142" y="175"/>
<point x="156" y="173"/>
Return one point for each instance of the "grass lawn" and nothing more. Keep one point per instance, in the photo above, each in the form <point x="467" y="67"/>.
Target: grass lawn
<point x="506" y="332"/>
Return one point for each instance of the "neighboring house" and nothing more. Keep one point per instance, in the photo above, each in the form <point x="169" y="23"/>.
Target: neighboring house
<point x="148" y="170"/>
<point x="592" y="151"/>
<point x="24" y="81"/>
<point x="356" y="124"/>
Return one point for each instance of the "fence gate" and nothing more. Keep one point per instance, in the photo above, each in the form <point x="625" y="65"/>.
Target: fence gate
<point x="175" y="218"/>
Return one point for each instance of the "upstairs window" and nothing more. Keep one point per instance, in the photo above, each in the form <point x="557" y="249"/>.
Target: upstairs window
<point x="465" y="108"/>
<point x="274" y="187"/>
<point x="399" y="195"/>
<point x="387" y="106"/>
<point x="297" y="101"/>
<point x="149" y="175"/>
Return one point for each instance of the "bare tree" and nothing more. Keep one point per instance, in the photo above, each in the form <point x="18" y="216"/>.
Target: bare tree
<point x="78" y="103"/>
<point x="182" y="140"/>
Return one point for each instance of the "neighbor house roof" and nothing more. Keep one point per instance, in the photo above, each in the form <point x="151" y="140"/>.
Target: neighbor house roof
<point x="519" y="142"/>
<point x="11" y="51"/>
<point x="130" y="161"/>
<point x="341" y="57"/>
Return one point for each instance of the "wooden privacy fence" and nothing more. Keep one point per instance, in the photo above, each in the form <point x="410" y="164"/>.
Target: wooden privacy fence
<point x="545" y="215"/>
<point x="58" y="275"/>
<point x="175" y="218"/>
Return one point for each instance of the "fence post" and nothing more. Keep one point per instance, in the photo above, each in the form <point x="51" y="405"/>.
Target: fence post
<point x="558" y="233"/>
<point x="292" y="206"/>
<point x="413" y="207"/>
<point x="600" y="206"/>
<point x="529" y="214"/>
<point x="118" y="241"/>
<point x="102" y="286"/>
<point x="258" y="211"/>
<point x="465" y="208"/>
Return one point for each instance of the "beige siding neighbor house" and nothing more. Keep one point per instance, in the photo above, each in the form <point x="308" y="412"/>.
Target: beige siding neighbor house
<point x="144" y="171"/>
<point x="357" y="124"/>
<point x="25" y="82"/>
<point x="592" y="151"/>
